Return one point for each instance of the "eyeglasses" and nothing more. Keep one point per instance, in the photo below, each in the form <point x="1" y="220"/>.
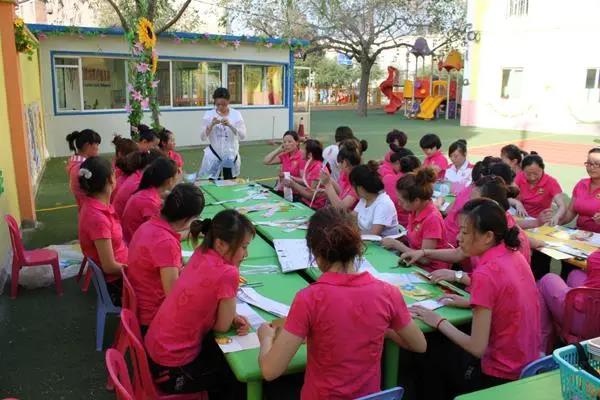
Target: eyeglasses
<point x="591" y="164"/>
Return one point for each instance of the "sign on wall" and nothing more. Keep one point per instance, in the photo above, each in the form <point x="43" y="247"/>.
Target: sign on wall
<point x="35" y="131"/>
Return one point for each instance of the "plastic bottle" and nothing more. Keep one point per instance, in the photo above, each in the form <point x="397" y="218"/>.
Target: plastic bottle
<point x="288" y="194"/>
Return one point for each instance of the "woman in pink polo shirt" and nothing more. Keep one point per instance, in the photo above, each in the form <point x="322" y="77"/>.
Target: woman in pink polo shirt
<point x="155" y="249"/>
<point x="288" y="155"/>
<point x="148" y="139"/>
<point x="341" y="194"/>
<point x="158" y="179"/>
<point x="405" y="164"/>
<point x="344" y="318"/>
<point x="430" y="145"/>
<point x="185" y="357"/>
<point x="123" y="147"/>
<point x="167" y="144"/>
<point x="460" y="169"/>
<point x="425" y="223"/>
<point x="100" y="233"/>
<point x="309" y="180"/>
<point x="538" y="191"/>
<point x="84" y="144"/>
<point x="553" y="291"/>
<point x="135" y="164"/>
<point x="585" y="201"/>
<point x="513" y="156"/>
<point x="505" y="331"/>
<point x="396" y="140"/>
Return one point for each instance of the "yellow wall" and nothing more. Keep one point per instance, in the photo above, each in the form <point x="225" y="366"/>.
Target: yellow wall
<point x="32" y="100"/>
<point x="9" y="203"/>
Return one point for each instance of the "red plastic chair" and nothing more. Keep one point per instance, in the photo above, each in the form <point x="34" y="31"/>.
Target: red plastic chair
<point x="143" y="384"/>
<point x="582" y="315"/>
<point x="29" y="258"/>
<point x="88" y="275"/>
<point x="117" y="370"/>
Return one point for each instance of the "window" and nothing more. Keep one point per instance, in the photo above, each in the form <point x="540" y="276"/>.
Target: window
<point x="517" y="8"/>
<point x="104" y="82"/>
<point x="194" y="83"/>
<point x="263" y="85"/>
<point x="592" y="84"/>
<point x="163" y="75"/>
<point x="68" y="93"/>
<point x="234" y="83"/>
<point x="512" y="82"/>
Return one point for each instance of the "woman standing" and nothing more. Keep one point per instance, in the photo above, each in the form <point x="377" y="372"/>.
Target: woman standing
<point x="224" y="127"/>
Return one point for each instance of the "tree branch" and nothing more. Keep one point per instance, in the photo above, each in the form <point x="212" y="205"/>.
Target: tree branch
<point x="151" y="9"/>
<point x="124" y="23"/>
<point x="175" y="18"/>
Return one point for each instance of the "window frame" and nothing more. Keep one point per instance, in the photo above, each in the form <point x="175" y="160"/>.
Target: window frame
<point x="592" y="95"/>
<point x="54" y="54"/>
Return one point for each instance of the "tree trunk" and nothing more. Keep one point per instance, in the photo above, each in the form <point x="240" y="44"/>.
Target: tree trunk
<point x="363" y="87"/>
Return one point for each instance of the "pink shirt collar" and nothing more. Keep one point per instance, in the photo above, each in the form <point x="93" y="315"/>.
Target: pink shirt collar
<point x="162" y="224"/>
<point x="425" y="212"/>
<point x="342" y="279"/>
<point x="492" y="253"/>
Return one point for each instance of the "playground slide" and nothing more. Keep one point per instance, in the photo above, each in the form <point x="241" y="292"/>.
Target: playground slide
<point x="387" y="88"/>
<point x="429" y="105"/>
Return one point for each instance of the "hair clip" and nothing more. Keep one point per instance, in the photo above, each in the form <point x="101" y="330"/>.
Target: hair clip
<point x="86" y="173"/>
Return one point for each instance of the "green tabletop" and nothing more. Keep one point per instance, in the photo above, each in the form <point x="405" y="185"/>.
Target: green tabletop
<point x="540" y="387"/>
<point x="211" y="210"/>
<point x="279" y="287"/>
<point x="228" y="192"/>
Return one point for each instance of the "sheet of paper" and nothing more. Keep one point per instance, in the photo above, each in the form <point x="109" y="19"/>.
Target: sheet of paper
<point x="363" y="265"/>
<point x="244" y="309"/>
<point x="293" y="254"/>
<point x="251" y="296"/>
<point x="187" y="253"/>
<point x="428" y="304"/>
<point x="231" y="344"/>
<point x="557" y="255"/>
<point x="400" y="279"/>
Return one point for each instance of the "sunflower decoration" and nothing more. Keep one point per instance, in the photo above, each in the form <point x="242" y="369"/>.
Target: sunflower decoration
<point x="146" y="33"/>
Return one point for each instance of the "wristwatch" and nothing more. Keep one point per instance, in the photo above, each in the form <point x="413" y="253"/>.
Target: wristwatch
<point x="458" y="275"/>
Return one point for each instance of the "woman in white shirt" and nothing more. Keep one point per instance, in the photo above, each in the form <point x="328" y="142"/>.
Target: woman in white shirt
<point x="460" y="169"/>
<point x="224" y="127"/>
<point x="375" y="210"/>
<point x="330" y="152"/>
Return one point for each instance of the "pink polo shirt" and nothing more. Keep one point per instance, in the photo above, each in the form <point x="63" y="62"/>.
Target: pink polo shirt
<point x="344" y="318"/>
<point x="154" y="245"/>
<point x="388" y="155"/>
<point x="143" y="205"/>
<point x="593" y="270"/>
<point x="504" y="284"/>
<point x="389" y="185"/>
<point x="539" y="197"/>
<point x="346" y="188"/>
<point x="311" y="173"/>
<point x="524" y="248"/>
<point x="586" y="204"/>
<point x="451" y="221"/>
<point x="428" y="224"/>
<point x="99" y="221"/>
<point x="119" y="182"/>
<point x="190" y="311"/>
<point x="438" y="159"/>
<point x="126" y="190"/>
<point x="292" y="163"/>
<point x="73" y="165"/>
<point x="175" y="156"/>
<point x="386" y="168"/>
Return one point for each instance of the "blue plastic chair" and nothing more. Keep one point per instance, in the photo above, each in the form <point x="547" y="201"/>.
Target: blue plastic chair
<point x="544" y="364"/>
<point x="390" y="394"/>
<point x="104" y="304"/>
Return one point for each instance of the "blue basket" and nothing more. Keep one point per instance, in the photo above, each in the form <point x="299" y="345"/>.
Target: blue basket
<point x="575" y="383"/>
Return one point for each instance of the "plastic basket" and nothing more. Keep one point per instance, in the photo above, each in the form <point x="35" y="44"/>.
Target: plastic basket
<point x="575" y="383"/>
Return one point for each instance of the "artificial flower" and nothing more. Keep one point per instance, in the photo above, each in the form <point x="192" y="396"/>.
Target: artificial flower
<point x="146" y="33"/>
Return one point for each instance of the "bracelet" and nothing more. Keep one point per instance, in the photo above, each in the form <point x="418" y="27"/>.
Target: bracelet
<point x="439" y="323"/>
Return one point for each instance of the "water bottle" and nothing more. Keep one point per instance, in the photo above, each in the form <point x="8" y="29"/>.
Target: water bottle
<point x="288" y="194"/>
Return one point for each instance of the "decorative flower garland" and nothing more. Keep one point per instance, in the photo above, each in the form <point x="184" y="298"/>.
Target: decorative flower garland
<point x="24" y="42"/>
<point x="218" y="40"/>
<point x="141" y="88"/>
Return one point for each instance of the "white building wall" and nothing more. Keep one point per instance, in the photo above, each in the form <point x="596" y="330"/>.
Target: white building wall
<point x="262" y="122"/>
<point x="555" y="44"/>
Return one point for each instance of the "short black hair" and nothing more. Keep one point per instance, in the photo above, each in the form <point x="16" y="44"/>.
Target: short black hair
<point x="221" y="93"/>
<point x="367" y="177"/>
<point x="429" y="141"/>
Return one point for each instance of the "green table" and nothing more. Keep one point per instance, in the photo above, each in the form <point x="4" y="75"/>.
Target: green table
<point x="258" y="248"/>
<point x="279" y="287"/>
<point x="210" y="211"/>
<point x="540" y="387"/>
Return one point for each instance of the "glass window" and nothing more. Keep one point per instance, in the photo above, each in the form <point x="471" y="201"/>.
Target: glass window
<point x="517" y="8"/>
<point x="68" y="91"/>
<point x="163" y="75"/>
<point x="234" y="83"/>
<point x="512" y="82"/>
<point x="104" y="83"/>
<point x="66" y="61"/>
<point x="263" y="85"/>
<point x="195" y="82"/>
<point x="591" y="82"/>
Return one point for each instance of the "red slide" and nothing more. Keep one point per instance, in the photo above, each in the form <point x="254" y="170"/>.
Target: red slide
<point x="387" y="88"/>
